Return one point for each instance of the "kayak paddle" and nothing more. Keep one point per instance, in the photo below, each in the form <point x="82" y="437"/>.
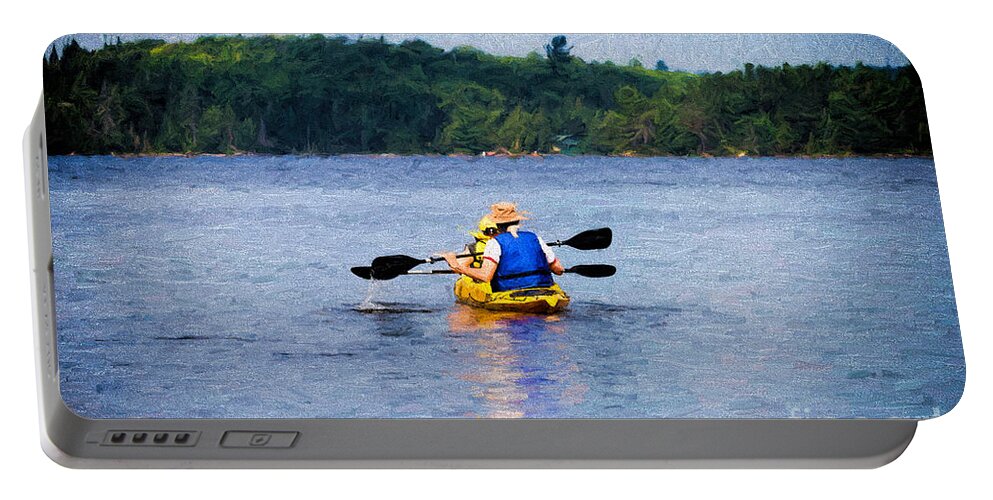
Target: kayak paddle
<point x="587" y="270"/>
<point x="391" y="266"/>
<point x="365" y="272"/>
<point x="594" y="239"/>
<point x="593" y="270"/>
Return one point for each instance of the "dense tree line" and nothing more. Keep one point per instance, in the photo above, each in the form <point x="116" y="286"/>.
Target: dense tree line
<point x="335" y="95"/>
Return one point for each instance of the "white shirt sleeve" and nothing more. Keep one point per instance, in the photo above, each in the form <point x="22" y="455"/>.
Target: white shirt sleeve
<point x="492" y="251"/>
<point x="549" y="254"/>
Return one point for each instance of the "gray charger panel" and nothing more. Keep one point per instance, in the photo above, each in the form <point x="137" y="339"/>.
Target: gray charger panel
<point x="74" y="441"/>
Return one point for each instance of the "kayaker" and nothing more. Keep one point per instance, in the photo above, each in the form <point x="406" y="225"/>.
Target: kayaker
<point x="512" y="259"/>
<point x="487" y="229"/>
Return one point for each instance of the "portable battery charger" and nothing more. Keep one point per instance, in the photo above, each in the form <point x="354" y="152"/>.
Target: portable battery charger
<point x="499" y="250"/>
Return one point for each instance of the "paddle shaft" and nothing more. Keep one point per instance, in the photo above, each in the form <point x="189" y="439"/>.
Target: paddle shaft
<point x="432" y="260"/>
<point x="580" y="269"/>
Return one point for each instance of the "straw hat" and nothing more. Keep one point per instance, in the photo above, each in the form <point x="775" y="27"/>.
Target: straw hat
<point x="504" y="212"/>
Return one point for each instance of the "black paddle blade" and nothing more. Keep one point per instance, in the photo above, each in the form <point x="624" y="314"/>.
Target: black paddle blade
<point x="594" y="239"/>
<point x="593" y="270"/>
<point x="391" y="266"/>
<point x="364" y="272"/>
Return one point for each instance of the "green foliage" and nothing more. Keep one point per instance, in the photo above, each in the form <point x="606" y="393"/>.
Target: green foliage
<point x="522" y="132"/>
<point x="316" y="94"/>
<point x="474" y="112"/>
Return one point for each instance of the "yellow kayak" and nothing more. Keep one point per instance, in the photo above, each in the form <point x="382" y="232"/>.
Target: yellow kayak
<point x="543" y="300"/>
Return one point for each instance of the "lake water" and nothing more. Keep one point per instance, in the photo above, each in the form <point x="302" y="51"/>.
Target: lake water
<point x="766" y="288"/>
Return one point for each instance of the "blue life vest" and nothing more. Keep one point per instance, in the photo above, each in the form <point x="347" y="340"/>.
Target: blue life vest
<point x="522" y="263"/>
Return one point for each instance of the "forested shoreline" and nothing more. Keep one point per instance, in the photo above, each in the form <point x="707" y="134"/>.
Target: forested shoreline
<point x="321" y="95"/>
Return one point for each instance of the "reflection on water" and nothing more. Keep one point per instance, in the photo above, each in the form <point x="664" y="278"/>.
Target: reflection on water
<point x="522" y="366"/>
